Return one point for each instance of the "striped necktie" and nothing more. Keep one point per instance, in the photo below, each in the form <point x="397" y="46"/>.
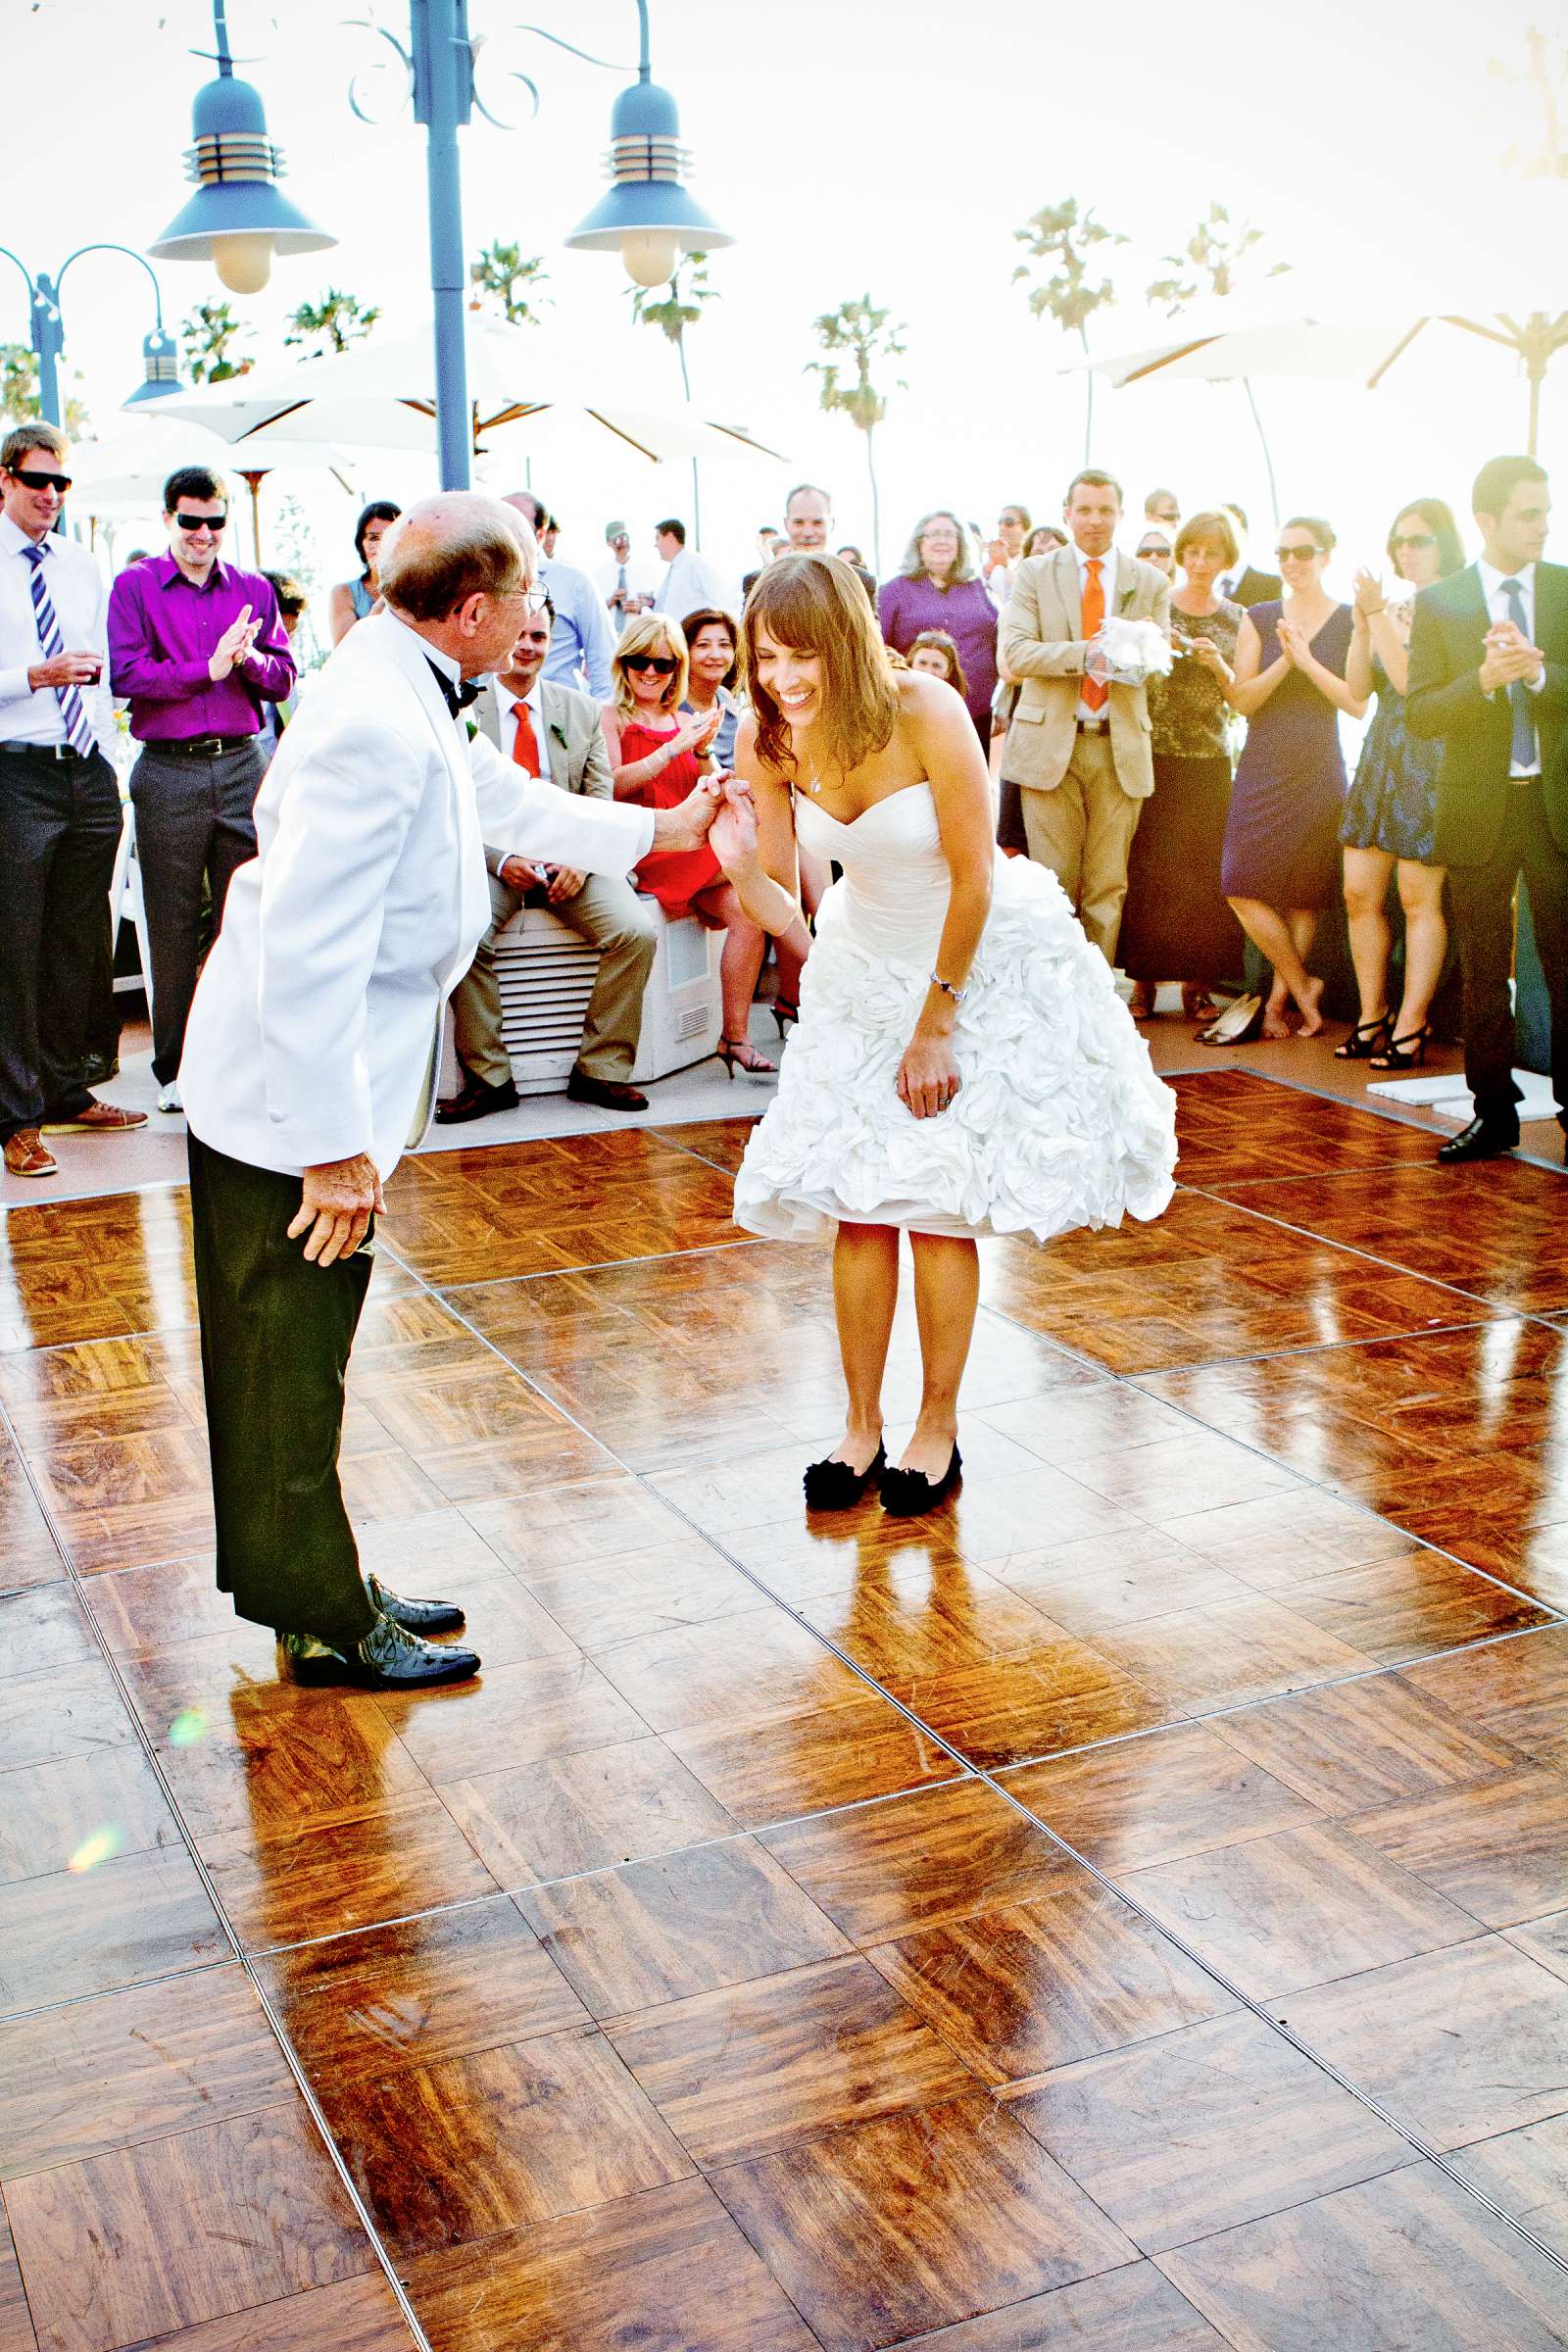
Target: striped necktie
<point x="78" y="727"/>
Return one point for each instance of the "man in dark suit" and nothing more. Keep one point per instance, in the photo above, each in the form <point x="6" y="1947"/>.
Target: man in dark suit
<point x="1488" y="678"/>
<point x="1243" y="584"/>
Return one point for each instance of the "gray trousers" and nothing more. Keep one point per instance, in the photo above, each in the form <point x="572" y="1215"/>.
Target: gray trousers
<point x="60" y="822"/>
<point x="195" y="828"/>
<point x="611" y="917"/>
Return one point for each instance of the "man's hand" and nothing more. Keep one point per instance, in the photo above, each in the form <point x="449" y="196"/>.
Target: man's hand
<point x="686" y="826"/>
<point x="566" y="884"/>
<point x="336" y="1203"/>
<point x="1509" y="659"/>
<point x="225" y="652"/>
<point x="66" y="669"/>
<point x="521" y="874"/>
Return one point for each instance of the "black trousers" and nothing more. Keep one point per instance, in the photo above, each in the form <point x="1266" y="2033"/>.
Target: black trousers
<point x="1483" y="921"/>
<point x="195" y="828"/>
<point x="60" y="824"/>
<point x="275" y="1340"/>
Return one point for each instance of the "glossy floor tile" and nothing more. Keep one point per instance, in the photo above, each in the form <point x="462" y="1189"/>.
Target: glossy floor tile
<point x="811" y="1929"/>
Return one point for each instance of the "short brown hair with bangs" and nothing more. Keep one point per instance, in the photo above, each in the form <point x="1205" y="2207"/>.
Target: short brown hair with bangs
<point x="1215" y="529"/>
<point x="816" y="605"/>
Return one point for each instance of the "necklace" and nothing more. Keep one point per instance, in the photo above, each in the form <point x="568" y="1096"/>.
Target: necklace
<point x="813" y="784"/>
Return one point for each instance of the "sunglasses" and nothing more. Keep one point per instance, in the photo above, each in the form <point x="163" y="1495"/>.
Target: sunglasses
<point x="1413" y="539"/>
<point x="202" y="523"/>
<point x="36" y="480"/>
<point x="1298" y="554"/>
<point x="663" y="666"/>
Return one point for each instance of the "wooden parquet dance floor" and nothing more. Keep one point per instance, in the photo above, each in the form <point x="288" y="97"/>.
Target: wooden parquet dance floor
<point x="1127" y="1910"/>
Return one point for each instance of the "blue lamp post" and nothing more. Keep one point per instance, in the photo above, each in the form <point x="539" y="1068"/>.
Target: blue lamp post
<point x="646" y="215"/>
<point x="49" y="342"/>
<point x="238" y="217"/>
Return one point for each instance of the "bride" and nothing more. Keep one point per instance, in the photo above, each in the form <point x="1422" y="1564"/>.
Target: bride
<point x="963" y="1064"/>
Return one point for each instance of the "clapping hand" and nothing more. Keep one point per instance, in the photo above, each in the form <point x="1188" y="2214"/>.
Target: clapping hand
<point x="698" y="733"/>
<point x="1510" y="657"/>
<point x="1293" y="645"/>
<point x="234" y="645"/>
<point x="1369" y="596"/>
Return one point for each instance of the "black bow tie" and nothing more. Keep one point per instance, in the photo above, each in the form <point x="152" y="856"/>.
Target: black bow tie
<point x="457" y="698"/>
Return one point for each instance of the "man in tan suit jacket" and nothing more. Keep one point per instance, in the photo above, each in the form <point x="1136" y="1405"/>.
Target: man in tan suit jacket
<point x="601" y="908"/>
<point x="1083" y="765"/>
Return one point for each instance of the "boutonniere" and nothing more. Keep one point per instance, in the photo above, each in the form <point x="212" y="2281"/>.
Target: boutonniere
<point x="473" y="725"/>
<point x="557" y="732"/>
<point x="1127" y="595"/>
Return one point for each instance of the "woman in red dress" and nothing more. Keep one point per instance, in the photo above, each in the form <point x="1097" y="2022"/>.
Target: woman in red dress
<point x="656" y="757"/>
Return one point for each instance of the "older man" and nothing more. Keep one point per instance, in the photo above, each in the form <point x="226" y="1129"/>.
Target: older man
<point x="310" y="1055"/>
<point x="808" y="528"/>
<point x="1078" y="747"/>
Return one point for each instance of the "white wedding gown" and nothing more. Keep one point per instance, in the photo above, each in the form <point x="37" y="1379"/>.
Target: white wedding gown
<point x="1060" y="1120"/>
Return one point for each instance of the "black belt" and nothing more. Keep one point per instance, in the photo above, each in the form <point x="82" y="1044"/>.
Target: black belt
<point x="47" y="751"/>
<point x="1090" y="726"/>
<point x="199" y="746"/>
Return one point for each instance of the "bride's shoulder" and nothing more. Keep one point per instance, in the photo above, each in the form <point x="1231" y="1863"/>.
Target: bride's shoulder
<point x="926" y="703"/>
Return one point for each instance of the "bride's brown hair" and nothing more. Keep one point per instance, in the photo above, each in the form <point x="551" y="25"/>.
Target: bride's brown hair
<point x="816" y="605"/>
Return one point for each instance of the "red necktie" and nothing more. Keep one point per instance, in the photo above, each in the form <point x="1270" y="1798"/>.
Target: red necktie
<point x="1094" y="614"/>
<point x="524" y="745"/>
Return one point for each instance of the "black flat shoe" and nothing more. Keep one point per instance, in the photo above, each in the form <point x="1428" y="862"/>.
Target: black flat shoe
<point x="387" y="1659"/>
<point x="839" y="1485"/>
<point x="416" y="1616"/>
<point x="905" y="1494"/>
<point x="1483" y="1139"/>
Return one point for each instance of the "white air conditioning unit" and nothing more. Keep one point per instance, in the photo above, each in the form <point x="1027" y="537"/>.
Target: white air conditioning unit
<point x="546" y="976"/>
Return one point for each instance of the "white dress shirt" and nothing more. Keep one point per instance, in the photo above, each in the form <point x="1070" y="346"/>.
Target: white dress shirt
<point x="1107" y="584"/>
<point x="692" y="585"/>
<point x="79" y="595"/>
<point x="1498" y="607"/>
<point x="640" y="577"/>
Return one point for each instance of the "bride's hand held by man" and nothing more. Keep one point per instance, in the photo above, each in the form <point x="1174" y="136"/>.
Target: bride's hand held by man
<point x="734" y="835"/>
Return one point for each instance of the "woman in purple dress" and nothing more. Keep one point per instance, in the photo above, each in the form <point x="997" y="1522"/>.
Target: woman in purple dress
<point x="1282" y="839"/>
<point x="936" y="587"/>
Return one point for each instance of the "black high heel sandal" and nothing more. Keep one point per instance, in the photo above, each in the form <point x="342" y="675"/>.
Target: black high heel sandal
<point x="1393" y="1056"/>
<point x="1366" y="1041"/>
<point x="786" y="1013"/>
<point x="838" y="1486"/>
<point x="739" y="1054"/>
<point x="905" y="1494"/>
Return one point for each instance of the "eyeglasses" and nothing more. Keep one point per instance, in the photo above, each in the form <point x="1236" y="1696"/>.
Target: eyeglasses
<point x="1300" y="553"/>
<point x="202" y="523"/>
<point x="1411" y="539"/>
<point x="663" y="666"/>
<point x="36" y="480"/>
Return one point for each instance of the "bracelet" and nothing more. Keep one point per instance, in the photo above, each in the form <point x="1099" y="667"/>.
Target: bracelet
<point x="948" y="990"/>
<point x="1370" y="612"/>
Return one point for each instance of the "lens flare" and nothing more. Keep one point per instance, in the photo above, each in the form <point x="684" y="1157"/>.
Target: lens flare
<point x="189" y="1726"/>
<point x="101" y="1846"/>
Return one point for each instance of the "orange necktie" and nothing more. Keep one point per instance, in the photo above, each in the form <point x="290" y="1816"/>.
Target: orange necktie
<point x="525" y="745"/>
<point x="1094" y="614"/>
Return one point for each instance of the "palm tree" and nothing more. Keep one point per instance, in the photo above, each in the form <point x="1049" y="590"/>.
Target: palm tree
<point x="1211" y="264"/>
<point x="1061" y="242"/>
<point x="208" y="338"/>
<point x="860" y="330"/>
<point x="19" y="391"/>
<point x="678" y="309"/>
<point x="331" y="324"/>
<point x="501" y="271"/>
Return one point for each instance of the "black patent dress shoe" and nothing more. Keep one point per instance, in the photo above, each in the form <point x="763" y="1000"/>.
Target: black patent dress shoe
<point x="905" y="1494"/>
<point x="416" y="1616"/>
<point x="387" y="1659"/>
<point x="839" y="1485"/>
<point x="609" y="1092"/>
<point x="1483" y="1139"/>
<point x="476" y="1100"/>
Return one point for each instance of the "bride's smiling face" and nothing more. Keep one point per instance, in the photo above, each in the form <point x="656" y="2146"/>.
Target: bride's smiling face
<point x="793" y="679"/>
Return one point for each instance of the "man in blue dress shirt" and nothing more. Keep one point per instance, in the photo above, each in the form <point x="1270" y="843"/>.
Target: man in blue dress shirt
<point x="582" y="641"/>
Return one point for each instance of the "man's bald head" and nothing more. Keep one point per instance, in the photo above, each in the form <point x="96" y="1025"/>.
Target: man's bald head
<point x="452" y="547"/>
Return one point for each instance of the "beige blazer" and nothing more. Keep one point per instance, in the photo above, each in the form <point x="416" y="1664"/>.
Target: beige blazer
<point x="578" y="758"/>
<point x="1042" y="645"/>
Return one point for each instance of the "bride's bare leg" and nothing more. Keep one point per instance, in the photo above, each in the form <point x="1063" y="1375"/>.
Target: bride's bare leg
<point x="947" y="1292"/>
<point x="865" y="1292"/>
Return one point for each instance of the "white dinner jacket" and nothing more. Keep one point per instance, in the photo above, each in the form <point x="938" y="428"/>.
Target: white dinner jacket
<point x="316" y="1017"/>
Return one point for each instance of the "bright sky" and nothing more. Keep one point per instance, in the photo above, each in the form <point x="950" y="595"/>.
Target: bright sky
<point x="864" y="146"/>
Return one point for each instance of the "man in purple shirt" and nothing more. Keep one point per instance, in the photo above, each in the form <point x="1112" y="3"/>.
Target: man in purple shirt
<point x="197" y="647"/>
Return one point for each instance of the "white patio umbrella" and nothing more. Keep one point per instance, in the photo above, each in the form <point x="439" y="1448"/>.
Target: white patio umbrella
<point x="126" y="475"/>
<point x="384" y="393"/>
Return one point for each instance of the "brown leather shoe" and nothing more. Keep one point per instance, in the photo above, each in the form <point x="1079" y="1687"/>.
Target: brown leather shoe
<point x="474" y="1100"/>
<point x="26" y="1156"/>
<point x="609" y="1092"/>
<point x="98" y="1118"/>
